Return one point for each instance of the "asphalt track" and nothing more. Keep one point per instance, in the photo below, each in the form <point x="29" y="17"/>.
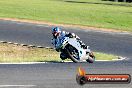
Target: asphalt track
<point x="62" y="75"/>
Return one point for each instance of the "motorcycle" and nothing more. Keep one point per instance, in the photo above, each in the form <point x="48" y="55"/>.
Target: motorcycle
<point x="72" y="49"/>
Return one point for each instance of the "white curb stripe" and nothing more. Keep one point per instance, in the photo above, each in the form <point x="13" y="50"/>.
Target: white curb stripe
<point x="58" y="62"/>
<point x="28" y="63"/>
<point x="17" y="86"/>
<point x="10" y="42"/>
<point x="3" y="42"/>
<point x="31" y="45"/>
<point x="23" y="45"/>
<point x="16" y="44"/>
<point x="40" y="47"/>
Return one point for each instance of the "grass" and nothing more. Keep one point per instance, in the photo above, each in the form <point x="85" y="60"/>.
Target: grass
<point x="13" y="53"/>
<point x="104" y="56"/>
<point x="95" y="13"/>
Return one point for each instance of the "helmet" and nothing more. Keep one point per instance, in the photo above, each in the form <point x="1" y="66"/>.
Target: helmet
<point x="56" y="31"/>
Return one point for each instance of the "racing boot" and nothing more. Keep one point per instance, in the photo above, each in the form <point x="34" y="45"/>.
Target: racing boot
<point x="63" y="56"/>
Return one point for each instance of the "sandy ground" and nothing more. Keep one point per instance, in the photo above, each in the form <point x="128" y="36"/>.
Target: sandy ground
<point x="63" y="25"/>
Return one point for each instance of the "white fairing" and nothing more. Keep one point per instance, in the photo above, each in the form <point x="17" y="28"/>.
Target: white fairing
<point x="76" y="44"/>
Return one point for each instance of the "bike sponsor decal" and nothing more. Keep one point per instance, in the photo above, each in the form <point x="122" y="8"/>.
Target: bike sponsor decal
<point x="83" y="78"/>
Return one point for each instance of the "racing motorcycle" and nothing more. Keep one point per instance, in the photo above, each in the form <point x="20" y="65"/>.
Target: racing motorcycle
<point x="74" y="51"/>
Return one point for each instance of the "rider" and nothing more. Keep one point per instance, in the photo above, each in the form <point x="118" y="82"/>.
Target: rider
<point x="57" y="37"/>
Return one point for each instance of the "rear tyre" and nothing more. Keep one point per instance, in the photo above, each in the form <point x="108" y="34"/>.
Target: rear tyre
<point x="91" y="58"/>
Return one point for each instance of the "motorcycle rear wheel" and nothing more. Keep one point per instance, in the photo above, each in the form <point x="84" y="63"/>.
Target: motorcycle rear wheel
<point x="91" y="58"/>
<point x="71" y="55"/>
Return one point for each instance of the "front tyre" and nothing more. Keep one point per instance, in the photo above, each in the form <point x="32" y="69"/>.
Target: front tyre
<point x="73" y="53"/>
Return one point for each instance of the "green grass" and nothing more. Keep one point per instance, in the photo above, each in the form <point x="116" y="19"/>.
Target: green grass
<point x="104" y="56"/>
<point x="96" y="13"/>
<point x="12" y="53"/>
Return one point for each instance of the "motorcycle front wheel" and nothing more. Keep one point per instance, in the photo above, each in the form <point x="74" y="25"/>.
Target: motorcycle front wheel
<point x="73" y="53"/>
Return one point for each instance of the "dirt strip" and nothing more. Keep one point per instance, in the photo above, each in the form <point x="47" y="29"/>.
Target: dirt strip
<point x="63" y="25"/>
